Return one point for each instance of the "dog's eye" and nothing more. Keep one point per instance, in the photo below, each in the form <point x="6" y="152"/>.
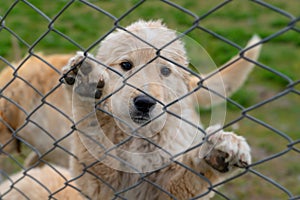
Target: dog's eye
<point x="126" y="65"/>
<point x="165" y="71"/>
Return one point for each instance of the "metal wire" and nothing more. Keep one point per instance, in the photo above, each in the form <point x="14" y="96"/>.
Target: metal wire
<point x="292" y="145"/>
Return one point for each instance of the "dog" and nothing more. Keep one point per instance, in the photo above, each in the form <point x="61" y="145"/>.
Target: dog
<point x="130" y="122"/>
<point x="138" y="135"/>
<point x="22" y="111"/>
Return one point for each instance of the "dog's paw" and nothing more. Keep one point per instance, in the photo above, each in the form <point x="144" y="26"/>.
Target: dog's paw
<point x="226" y="150"/>
<point x="85" y="75"/>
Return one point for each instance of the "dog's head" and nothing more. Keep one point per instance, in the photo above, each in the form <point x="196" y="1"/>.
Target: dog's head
<point x="148" y="74"/>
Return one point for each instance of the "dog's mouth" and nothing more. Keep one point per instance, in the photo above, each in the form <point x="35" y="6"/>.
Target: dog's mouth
<point x="139" y="117"/>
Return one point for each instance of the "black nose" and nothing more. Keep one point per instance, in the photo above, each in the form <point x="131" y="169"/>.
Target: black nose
<point x="144" y="103"/>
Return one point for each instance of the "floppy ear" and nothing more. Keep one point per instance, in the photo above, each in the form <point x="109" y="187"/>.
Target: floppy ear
<point x="227" y="79"/>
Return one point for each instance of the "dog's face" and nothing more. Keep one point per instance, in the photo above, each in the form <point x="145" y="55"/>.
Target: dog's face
<point x="145" y="90"/>
<point x="145" y="84"/>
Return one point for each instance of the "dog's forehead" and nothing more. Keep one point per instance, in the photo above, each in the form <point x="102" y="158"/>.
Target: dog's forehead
<point x="142" y="35"/>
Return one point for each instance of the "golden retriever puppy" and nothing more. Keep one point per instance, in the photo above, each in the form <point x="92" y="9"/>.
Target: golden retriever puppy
<point x="138" y="133"/>
<point x="40" y="183"/>
<point x="27" y="109"/>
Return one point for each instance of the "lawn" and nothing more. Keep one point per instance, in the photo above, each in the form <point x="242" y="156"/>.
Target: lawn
<point x="79" y="26"/>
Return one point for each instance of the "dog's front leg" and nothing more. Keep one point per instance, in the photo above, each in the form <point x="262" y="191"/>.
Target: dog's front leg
<point x="86" y="83"/>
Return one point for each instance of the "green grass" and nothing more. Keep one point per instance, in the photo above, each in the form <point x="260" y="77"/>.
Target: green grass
<point x="237" y="21"/>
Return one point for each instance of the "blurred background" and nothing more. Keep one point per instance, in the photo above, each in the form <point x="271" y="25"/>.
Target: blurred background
<point x="64" y="27"/>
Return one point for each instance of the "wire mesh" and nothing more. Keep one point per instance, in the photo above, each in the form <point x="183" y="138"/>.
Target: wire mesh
<point x="272" y="131"/>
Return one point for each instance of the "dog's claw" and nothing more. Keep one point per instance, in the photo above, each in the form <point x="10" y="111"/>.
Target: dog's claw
<point x="101" y="83"/>
<point x="241" y="164"/>
<point x="98" y="94"/>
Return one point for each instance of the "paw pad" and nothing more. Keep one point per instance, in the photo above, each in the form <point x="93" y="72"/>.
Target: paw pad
<point x="85" y="75"/>
<point x="226" y="150"/>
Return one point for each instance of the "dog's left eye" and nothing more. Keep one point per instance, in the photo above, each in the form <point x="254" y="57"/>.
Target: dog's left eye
<point x="165" y="71"/>
<point x="126" y="65"/>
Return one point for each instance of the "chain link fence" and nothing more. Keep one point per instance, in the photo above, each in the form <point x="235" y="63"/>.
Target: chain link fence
<point x="265" y="111"/>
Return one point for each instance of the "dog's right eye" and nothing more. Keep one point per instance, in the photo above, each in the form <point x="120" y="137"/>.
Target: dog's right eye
<point x="126" y="65"/>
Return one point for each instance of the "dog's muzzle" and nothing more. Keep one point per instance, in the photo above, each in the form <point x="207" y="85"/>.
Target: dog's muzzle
<point x="143" y="105"/>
